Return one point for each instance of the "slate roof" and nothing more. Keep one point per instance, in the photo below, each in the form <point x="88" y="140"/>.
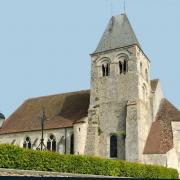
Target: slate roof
<point x="160" y="138"/>
<point x="119" y="33"/>
<point x="62" y="110"/>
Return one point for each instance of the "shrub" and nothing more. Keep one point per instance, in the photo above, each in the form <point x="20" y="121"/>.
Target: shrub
<point x="17" y="158"/>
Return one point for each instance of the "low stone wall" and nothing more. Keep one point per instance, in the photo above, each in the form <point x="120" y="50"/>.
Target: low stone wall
<point x="15" y="172"/>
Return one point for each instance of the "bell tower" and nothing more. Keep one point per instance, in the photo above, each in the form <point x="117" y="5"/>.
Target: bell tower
<point x="119" y="95"/>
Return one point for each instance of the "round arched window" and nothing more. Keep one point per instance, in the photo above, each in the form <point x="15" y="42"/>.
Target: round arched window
<point x="51" y="143"/>
<point x="123" y="63"/>
<point x="113" y="146"/>
<point x="72" y="144"/>
<point x="27" y="143"/>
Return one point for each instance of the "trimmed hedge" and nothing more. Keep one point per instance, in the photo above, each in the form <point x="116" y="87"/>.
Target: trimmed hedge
<point x="18" y="158"/>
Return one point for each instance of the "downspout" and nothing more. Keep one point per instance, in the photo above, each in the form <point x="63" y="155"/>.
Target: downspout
<point x="65" y="140"/>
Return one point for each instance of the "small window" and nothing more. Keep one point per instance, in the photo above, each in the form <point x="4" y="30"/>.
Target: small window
<point x="120" y="67"/>
<point x="141" y="67"/>
<point x="146" y="73"/>
<point x="123" y="64"/>
<point x="72" y="144"/>
<point x="27" y="143"/>
<point x="144" y="92"/>
<point x="51" y="143"/>
<point x="13" y="142"/>
<point x="113" y="146"/>
<point x="105" y="69"/>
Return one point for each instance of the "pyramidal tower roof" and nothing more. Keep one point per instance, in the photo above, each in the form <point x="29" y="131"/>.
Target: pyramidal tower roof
<point x="119" y="33"/>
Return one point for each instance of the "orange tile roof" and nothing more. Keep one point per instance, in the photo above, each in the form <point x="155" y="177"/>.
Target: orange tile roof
<point x="160" y="138"/>
<point x="62" y="110"/>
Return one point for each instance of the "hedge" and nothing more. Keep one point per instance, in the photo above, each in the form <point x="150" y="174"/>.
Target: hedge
<point x="18" y="158"/>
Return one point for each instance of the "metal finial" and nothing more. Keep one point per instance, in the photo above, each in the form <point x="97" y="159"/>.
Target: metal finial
<point x="124" y="6"/>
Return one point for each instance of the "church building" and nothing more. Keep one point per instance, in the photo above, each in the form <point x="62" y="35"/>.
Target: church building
<point x="124" y="115"/>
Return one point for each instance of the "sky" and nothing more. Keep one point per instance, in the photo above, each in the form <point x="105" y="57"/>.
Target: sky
<point x="45" y="45"/>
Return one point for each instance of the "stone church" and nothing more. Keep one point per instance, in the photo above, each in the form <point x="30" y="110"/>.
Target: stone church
<point x="124" y="115"/>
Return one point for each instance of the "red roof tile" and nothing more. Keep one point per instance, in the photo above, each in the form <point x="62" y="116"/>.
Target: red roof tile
<point x="160" y="138"/>
<point x="62" y="110"/>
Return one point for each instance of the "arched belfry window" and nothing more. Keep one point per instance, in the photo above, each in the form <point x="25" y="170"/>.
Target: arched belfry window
<point x="105" y="69"/>
<point x="146" y="74"/>
<point x="123" y="63"/>
<point x="72" y="144"/>
<point x="27" y="143"/>
<point x="141" y="71"/>
<point x="51" y="143"/>
<point x="120" y="67"/>
<point x="125" y="67"/>
<point x="104" y="66"/>
<point x="144" y="93"/>
<point x="113" y="146"/>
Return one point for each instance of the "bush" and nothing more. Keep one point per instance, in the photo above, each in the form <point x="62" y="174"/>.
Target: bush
<point x="17" y="158"/>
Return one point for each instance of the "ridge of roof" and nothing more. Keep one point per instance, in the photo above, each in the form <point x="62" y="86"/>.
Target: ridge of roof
<point x="118" y="33"/>
<point x="58" y="94"/>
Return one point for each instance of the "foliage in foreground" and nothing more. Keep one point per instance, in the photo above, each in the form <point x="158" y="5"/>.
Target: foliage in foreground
<point x="17" y="158"/>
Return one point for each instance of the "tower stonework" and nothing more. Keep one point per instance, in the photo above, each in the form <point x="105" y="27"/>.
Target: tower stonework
<point x="119" y="96"/>
<point x="123" y="116"/>
<point x="139" y="113"/>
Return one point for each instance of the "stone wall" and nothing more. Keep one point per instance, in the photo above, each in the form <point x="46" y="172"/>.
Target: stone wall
<point x="110" y="94"/>
<point x="170" y="159"/>
<point x="17" y="172"/>
<point x="144" y="104"/>
<point x="156" y="159"/>
<point x="176" y="142"/>
<point x="157" y="96"/>
<point x="92" y="138"/>
<point x="35" y="136"/>
<point x="173" y="159"/>
<point x="176" y="135"/>
<point x="80" y="133"/>
<point x="1" y="122"/>
<point x="132" y="143"/>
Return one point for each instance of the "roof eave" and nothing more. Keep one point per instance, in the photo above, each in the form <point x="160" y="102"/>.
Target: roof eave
<point x="128" y="46"/>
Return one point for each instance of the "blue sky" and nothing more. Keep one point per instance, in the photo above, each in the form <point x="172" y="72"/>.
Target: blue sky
<point x="45" y="45"/>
